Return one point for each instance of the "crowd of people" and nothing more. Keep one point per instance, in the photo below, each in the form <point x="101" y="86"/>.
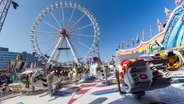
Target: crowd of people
<point x="5" y="79"/>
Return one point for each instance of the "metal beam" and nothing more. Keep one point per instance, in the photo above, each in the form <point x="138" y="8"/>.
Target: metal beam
<point x="4" y="7"/>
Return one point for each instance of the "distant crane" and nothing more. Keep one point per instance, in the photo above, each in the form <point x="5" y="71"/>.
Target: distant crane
<point x="4" y="7"/>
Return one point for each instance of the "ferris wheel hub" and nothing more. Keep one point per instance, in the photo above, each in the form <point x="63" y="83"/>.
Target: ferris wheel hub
<point x="63" y="31"/>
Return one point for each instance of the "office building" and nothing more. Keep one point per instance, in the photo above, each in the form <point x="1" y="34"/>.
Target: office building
<point x="6" y="56"/>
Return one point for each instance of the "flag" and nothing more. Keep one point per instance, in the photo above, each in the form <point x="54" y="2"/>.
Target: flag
<point x="143" y="38"/>
<point x="168" y="13"/>
<point x="132" y="42"/>
<point x="182" y="18"/>
<point x="35" y="65"/>
<point x="177" y="1"/>
<point x="160" y="26"/>
<point x="151" y="31"/>
<point x="137" y="39"/>
<point x="128" y="43"/>
<point x="18" y="58"/>
<point x="32" y="65"/>
<point x="122" y="46"/>
<point x="118" y="45"/>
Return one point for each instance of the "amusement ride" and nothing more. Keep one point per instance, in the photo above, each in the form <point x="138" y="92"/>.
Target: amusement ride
<point x="65" y="37"/>
<point x="154" y="64"/>
<point x="65" y="32"/>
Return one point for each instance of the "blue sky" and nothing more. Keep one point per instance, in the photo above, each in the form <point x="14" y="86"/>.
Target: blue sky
<point x="119" y="20"/>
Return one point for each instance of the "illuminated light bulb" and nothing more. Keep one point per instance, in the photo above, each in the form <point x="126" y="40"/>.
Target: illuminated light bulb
<point x="136" y="79"/>
<point x="167" y="74"/>
<point x="143" y="76"/>
<point x="165" y="70"/>
<point x="134" y="75"/>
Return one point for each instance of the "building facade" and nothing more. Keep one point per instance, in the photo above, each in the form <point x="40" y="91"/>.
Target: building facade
<point x="30" y="58"/>
<point x="6" y="56"/>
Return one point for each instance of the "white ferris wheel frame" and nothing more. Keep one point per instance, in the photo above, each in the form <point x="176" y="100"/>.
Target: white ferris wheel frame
<point x="64" y="35"/>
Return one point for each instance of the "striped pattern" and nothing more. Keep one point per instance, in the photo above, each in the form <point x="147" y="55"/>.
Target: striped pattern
<point x="88" y="84"/>
<point x="72" y="100"/>
<point x="66" y="91"/>
<point x="62" y="93"/>
<point x="85" y="88"/>
<point x="125" y="64"/>
<point x="106" y="91"/>
<point x="82" y="91"/>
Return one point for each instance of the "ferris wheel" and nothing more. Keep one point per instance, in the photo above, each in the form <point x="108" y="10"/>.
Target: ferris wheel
<point x="65" y="32"/>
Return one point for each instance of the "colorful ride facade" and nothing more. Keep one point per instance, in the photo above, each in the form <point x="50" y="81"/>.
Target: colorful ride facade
<point x="171" y="37"/>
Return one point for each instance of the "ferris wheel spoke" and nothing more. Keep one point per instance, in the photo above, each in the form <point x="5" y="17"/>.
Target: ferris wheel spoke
<point x="56" y="19"/>
<point x="82" y="35"/>
<point x="77" y="22"/>
<point x="48" y="32"/>
<point x="51" y="25"/>
<point x="48" y="40"/>
<point x="63" y="17"/>
<point x="49" y="49"/>
<point x="81" y="28"/>
<point x="70" y="18"/>
<point x="84" y="45"/>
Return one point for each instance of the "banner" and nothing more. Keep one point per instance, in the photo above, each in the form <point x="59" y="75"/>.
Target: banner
<point x="160" y="26"/>
<point x="137" y="39"/>
<point x="151" y="33"/>
<point x="177" y="1"/>
<point x="118" y="45"/>
<point x="168" y="13"/>
<point x="143" y="38"/>
<point x="132" y="42"/>
<point x="122" y="47"/>
<point x="128" y="43"/>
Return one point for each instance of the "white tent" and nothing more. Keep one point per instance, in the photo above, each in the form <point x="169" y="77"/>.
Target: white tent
<point x="31" y="70"/>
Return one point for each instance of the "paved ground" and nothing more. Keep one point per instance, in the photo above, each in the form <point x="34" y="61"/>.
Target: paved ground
<point x="94" y="92"/>
<point x="98" y="93"/>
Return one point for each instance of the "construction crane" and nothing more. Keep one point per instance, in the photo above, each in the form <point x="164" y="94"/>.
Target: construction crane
<point x="4" y="7"/>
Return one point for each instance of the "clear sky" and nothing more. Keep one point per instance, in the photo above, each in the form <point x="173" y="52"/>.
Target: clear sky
<point x="119" y="20"/>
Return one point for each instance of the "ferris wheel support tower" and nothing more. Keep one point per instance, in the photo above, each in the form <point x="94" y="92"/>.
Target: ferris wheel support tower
<point x="4" y="7"/>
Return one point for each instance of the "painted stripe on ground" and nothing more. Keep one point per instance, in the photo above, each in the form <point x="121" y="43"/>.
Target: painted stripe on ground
<point x="106" y="91"/>
<point x="85" y="88"/>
